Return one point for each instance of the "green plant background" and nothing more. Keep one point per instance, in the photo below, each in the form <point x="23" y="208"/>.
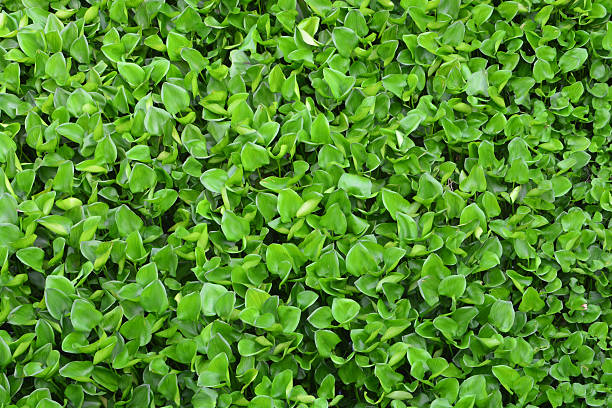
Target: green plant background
<point x="305" y="204"/>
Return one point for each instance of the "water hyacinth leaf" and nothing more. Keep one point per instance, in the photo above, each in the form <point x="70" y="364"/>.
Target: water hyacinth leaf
<point x="127" y="221"/>
<point x="344" y="310"/>
<point x="133" y="74"/>
<point x="387" y="377"/>
<point x="156" y="121"/>
<point x="288" y="204"/>
<point x="153" y="297"/>
<point x="355" y="185"/>
<point x="234" y="227"/>
<point x="255" y="298"/>
<point x="395" y="203"/>
<point x="253" y="156"/>
<point x="209" y="296"/>
<point x="338" y="83"/>
<point x="175" y="98"/>
<point x="5" y="353"/>
<point x="189" y="307"/>
<point x="502" y="315"/>
<point x="79" y="49"/>
<point x="531" y="301"/>
<point x="360" y="261"/>
<point x="175" y="43"/>
<point x="57" y="224"/>
<point x="57" y="69"/>
<point x="506" y="376"/>
<point x="84" y="315"/>
<point x="326" y="341"/>
<point x="32" y="257"/>
<point x="345" y="40"/>
<point x="214" y="179"/>
<point x="321" y="318"/>
<point x="77" y="370"/>
<point x="71" y="131"/>
<point x="572" y="59"/>
<point x="58" y="292"/>
<point x="429" y="189"/>
<point x="289" y="317"/>
<point x="319" y="131"/>
<point x="452" y="286"/>
<point x="142" y="178"/>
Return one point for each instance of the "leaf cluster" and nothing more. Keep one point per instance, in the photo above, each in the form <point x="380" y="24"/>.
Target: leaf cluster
<point x="305" y="203"/>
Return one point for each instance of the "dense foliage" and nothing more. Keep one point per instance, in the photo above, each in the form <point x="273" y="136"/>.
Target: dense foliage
<point x="305" y="203"/>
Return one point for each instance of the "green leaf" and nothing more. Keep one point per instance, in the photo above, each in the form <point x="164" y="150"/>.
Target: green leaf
<point x="133" y="74"/>
<point x="321" y="318"/>
<point x="345" y="40"/>
<point x="429" y="189"/>
<point x="32" y="257"/>
<point x="209" y="296"/>
<point x="573" y="59"/>
<point x="344" y="310"/>
<point x="156" y="121"/>
<point x="360" y="261"/>
<point x="80" y="51"/>
<point x="56" y="223"/>
<point x="478" y="84"/>
<point x="325" y="342"/>
<point x="319" y="130"/>
<point x="153" y="297"/>
<point x="355" y="185"/>
<point x="396" y="83"/>
<point x="339" y="84"/>
<point x="452" y="286"/>
<point x="387" y="377"/>
<point x="127" y="221"/>
<point x="189" y="307"/>
<point x="502" y="315"/>
<point x="289" y="317"/>
<point x="56" y="68"/>
<point x="506" y="376"/>
<point x="84" y="315"/>
<point x="71" y="131"/>
<point x="77" y="370"/>
<point x="234" y="227"/>
<point x="531" y="301"/>
<point x="142" y="178"/>
<point x="395" y="203"/>
<point x="253" y="156"/>
<point x="214" y="179"/>
<point x="5" y="354"/>
<point x="175" y="98"/>
<point x="175" y="43"/>
<point x="289" y="203"/>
